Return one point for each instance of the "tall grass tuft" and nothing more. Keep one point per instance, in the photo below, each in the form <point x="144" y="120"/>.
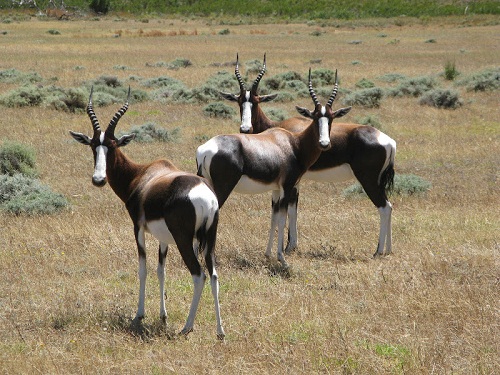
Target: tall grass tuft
<point x="450" y="71"/>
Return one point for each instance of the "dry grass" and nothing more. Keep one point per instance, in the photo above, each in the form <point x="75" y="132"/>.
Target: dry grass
<point x="68" y="284"/>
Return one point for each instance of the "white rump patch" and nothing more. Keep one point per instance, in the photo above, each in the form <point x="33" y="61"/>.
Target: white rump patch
<point x="248" y="186"/>
<point x="338" y="174"/>
<point x="205" y="204"/>
<point x="204" y="155"/>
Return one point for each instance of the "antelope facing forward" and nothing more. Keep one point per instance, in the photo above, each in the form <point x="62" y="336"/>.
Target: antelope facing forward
<point x="357" y="151"/>
<point x="174" y="206"/>
<point x="273" y="160"/>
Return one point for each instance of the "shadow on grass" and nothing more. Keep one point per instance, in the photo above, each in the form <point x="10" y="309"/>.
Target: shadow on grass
<point x="119" y="321"/>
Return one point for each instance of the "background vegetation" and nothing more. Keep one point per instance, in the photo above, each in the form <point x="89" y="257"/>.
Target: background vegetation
<point x="304" y="9"/>
<point x="68" y="281"/>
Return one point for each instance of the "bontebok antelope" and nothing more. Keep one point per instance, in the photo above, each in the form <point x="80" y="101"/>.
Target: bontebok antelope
<point x="358" y="151"/>
<point x="174" y="206"/>
<point x="273" y="160"/>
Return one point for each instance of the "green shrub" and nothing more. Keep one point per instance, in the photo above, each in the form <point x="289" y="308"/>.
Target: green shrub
<point x="163" y="81"/>
<point x="450" y="71"/>
<point x="413" y="87"/>
<point x="224" y="32"/>
<point x="20" y="194"/>
<point x="15" y="76"/>
<point x="25" y="96"/>
<point x="222" y="81"/>
<point x="368" y="98"/>
<point x="150" y="132"/>
<point x="219" y="110"/>
<point x="486" y="80"/>
<point x="322" y="77"/>
<point x="404" y="184"/>
<point x="392" y="77"/>
<point x="54" y="32"/>
<point x="364" y="84"/>
<point x="276" y="114"/>
<point x="441" y="98"/>
<point x="16" y="158"/>
<point x="370" y="120"/>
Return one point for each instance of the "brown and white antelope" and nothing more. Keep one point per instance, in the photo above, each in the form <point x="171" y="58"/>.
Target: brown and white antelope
<point x="272" y="160"/>
<point x="174" y="206"/>
<point x="357" y="151"/>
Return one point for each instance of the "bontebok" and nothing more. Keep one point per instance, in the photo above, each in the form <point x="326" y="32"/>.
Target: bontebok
<point x="174" y="206"/>
<point x="273" y="160"/>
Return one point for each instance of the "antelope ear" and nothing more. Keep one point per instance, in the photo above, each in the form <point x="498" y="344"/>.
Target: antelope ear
<point x="82" y="138"/>
<point x="267" y="98"/>
<point x="341" y="112"/>
<point x="304" y="112"/>
<point x="124" y="140"/>
<point x="228" y="96"/>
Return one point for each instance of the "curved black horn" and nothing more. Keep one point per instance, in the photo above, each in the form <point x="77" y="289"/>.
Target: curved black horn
<point x="118" y="115"/>
<point x="91" y="113"/>
<point x="255" y="85"/>
<point x="238" y="75"/>
<point x="311" y="91"/>
<point x="334" y="92"/>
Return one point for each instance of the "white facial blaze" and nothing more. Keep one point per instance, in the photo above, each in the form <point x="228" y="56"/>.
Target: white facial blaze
<point x="324" y="134"/>
<point x="246" y="114"/>
<point x="100" y="161"/>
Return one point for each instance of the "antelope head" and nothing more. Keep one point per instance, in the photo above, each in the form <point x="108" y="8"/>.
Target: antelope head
<point x="248" y="100"/>
<point x="323" y="115"/>
<point x="103" y="143"/>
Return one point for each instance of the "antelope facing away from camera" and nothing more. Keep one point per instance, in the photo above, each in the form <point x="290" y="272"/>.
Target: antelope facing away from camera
<point x="174" y="206"/>
<point x="357" y="151"/>
<point x="273" y="160"/>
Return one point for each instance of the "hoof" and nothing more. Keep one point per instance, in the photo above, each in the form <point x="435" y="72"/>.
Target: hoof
<point x="221" y="336"/>
<point x="185" y="331"/>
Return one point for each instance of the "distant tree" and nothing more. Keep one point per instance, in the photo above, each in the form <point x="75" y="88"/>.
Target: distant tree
<point x="99" y="6"/>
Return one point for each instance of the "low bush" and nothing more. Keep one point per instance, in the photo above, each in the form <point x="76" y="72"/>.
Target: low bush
<point x="370" y="120"/>
<point x="413" y="87"/>
<point x="15" y="76"/>
<point x="486" y="80"/>
<point x="150" y="132"/>
<point x="404" y="185"/>
<point x="441" y="98"/>
<point x="16" y="158"/>
<point x="276" y="114"/>
<point x="368" y="98"/>
<point x="219" y="110"/>
<point x="365" y="84"/>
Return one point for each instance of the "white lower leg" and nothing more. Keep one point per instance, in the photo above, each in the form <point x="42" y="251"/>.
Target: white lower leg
<point x="199" y="282"/>
<point x="214" y="283"/>
<point x="385" y="229"/>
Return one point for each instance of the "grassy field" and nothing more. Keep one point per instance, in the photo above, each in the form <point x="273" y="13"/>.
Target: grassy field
<point x="68" y="282"/>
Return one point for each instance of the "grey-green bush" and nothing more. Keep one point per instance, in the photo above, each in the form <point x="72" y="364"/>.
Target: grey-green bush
<point x="16" y="158"/>
<point x="404" y="184"/>
<point x="441" y="98"/>
<point x="413" y="87"/>
<point x="20" y="194"/>
<point x="486" y="80"/>
<point x="150" y="132"/>
<point x="368" y="98"/>
<point x="219" y="110"/>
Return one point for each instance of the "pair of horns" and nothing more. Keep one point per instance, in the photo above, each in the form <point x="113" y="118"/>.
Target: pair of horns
<point x="263" y="70"/>
<point x="332" y="96"/>
<point x="257" y="80"/>
<point x="114" y="120"/>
